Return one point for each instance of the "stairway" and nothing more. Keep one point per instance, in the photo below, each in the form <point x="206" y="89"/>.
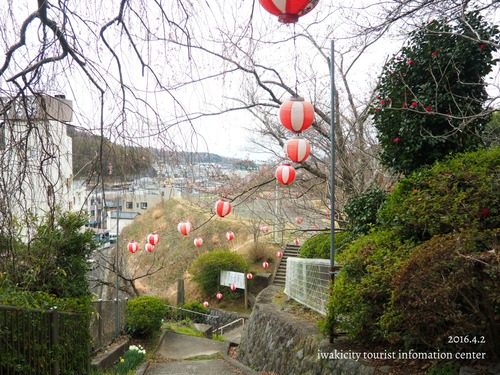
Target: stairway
<point x="290" y="250"/>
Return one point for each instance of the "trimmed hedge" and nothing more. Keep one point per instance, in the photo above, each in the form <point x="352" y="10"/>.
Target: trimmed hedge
<point x="144" y="316"/>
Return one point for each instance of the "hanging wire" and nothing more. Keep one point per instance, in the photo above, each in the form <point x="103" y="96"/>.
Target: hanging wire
<point x="295" y="63"/>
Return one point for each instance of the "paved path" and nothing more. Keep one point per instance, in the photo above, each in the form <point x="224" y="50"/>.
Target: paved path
<point x="204" y="367"/>
<point x="176" y="350"/>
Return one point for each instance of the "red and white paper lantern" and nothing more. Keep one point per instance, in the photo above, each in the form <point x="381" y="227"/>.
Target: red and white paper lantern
<point x="233" y="287"/>
<point x="285" y="174"/>
<point x="206" y="304"/>
<point x="279" y="254"/>
<point x="184" y="228"/>
<point x="198" y="241"/>
<point x="264" y="229"/>
<point x="153" y="238"/>
<point x="288" y="11"/>
<point x="298" y="149"/>
<point x="299" y="220"/>
<point x="229" y="236"/>
<point x="249" y="276"/>
<point x="296" y="242"/>
<point x="222" y="208"/>
<point x="265" y="265"/>
<point x="218" y="296"/>
<point x="149" y="248"/>
<point x="296" y="114"/>
<point x="133" y="246"/>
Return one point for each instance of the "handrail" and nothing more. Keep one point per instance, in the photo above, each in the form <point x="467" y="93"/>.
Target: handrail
<point x="230" y="324"/>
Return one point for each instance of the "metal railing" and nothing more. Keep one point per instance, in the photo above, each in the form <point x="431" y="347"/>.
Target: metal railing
<point x="43" y="342"/>
<point x="221" y="329"/>
<point x="178" y="313"/>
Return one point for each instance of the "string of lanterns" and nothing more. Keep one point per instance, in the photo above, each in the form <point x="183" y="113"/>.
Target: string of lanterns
<point x="296" y="114"/>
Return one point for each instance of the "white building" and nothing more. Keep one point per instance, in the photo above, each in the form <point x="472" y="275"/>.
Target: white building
<point x="35" y="158"/>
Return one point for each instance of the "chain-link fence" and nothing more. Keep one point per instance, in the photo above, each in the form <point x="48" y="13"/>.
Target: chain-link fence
<point x="308" y="281"/>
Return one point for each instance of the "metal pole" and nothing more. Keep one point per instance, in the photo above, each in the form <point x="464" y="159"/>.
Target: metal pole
<point x="332" y="173"/>
<point x="117" y="312"/>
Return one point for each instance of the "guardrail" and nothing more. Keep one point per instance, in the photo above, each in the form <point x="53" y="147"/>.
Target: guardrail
<point x="195" y="316"/>
<point x="221" y="329"/>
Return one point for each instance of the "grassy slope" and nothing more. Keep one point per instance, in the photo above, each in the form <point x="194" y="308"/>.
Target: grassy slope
<point x="177" y="252"/>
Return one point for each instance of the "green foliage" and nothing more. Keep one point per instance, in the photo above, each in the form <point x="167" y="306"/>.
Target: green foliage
<point x="362" y="210"/>
<point x="144" y="316"/>
<point x="491" y="136"/>
<point x="131" y="359"/>
<point x="318" y="246"/>
<point x="448" y="287"/>
<point x="458" y="193"/>
<point x="195" y="306"/>
<point x="55" y="262"/>
<point x="363" y="286"/>
<point x="33" y="331"/>
<point x="431" y="96"/>
<point x="206" y="268"/>
<point x="445" y="369"/>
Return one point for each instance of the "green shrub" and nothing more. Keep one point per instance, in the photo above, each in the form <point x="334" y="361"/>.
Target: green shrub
<point x="455" y="194"/>
<point x="448" y="287"/>
<point x="318" y="246"/>
<point x="206" y="268"/>
<point x="144" y="316"/>
<point x="362" y="210"/>
<point x="363" y="286"/>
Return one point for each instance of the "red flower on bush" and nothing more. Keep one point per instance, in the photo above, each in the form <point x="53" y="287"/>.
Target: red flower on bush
<point x="405" y="104"/>
<point x="428" y="108"/>
<point x="482" y="46"/>
<point x="414" y="104"/>
<point x="396" y="140"/>
<point x="485" y="212"/>
<point x="433" y="53"/>
<point x="382" y="101"/>
<point x="410" y="62"/>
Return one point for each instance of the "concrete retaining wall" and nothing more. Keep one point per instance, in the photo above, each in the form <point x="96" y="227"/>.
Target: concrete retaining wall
<point x="276" y="341"/>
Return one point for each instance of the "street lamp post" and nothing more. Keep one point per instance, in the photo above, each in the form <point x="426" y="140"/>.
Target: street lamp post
<point x="117" y="310"/>
<point x="332" y="174"/>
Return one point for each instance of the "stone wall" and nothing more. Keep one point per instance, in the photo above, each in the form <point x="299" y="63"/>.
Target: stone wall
<point x="276" y="341"/>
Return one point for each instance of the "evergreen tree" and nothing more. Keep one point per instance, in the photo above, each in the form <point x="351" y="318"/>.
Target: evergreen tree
<point x="432" y="96"/>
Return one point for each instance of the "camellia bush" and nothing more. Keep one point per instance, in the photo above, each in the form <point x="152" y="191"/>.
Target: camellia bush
<point x="432" y="95"/>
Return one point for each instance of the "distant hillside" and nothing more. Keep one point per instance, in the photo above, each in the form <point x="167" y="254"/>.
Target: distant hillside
<point x="124" y="162"/>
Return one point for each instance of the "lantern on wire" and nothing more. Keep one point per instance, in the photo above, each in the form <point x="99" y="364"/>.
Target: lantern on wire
<point x="297" y="149"/>
<point x="264" y="229"/>
<point x="198" y="241"/>
<point x="218" y="296"/>
<point x="296" y="114"/>
<point x="229" y="236"/>
<point x="184" y="228"/>
<point x="249" y="276"/>
<point x="153" y="238"/>
<point x="279" y="254"/>
<point x="206" y="304"/>
<point x="149" y="248"/>
<point x="265" y="265"/>
<point x="299" y="220"/>
<point x="233" y="287"/>
<point x="222" y="208"/>
<point x="296" y="242"/>
<point x="285" y="174"/>
<point x="133" y="246"/>
<point x="288" y="11"/>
